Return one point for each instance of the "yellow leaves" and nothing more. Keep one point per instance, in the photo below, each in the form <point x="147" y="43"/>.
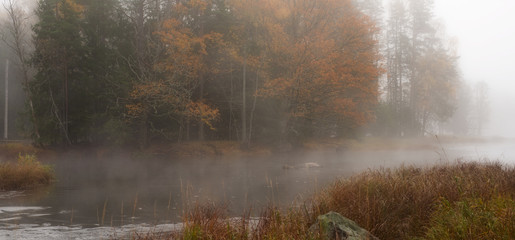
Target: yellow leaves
<point x="184" y="66"/>
<point x="327" y="59"/>
<point x="75" y="6"/>
<point x="185" y="49"/>
<point x="70" y="4"/>
<point x="135" y="110"/>
<point x="203" y="112"/>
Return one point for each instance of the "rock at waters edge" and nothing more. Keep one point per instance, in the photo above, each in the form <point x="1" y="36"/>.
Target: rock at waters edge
<point x="334" y="226"/>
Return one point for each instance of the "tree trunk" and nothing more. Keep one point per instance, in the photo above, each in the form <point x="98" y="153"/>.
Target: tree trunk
<point x="244" y="98"/>
<point x="251" y="120"/>
<point x="143" y="141"/>
<point x="201" y="134"/>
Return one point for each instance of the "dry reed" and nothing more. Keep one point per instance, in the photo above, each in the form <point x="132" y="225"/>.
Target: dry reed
<point x="25" y="173"/>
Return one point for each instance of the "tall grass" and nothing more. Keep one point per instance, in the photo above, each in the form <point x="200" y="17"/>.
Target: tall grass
<point x="473" y="218"/>
<point x="398" y="204"/>
<point x="27" y="172"/>
<point x="211" y="222"/>
<point x="458" y="201"/>
<point x="12" y="150"/>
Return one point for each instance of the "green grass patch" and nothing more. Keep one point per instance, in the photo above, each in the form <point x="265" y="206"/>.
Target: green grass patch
<point x="27" y="172"/>
<point x="473" y="218"/>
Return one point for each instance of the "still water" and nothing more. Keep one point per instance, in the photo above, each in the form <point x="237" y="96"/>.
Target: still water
<point x="98" y="196"/>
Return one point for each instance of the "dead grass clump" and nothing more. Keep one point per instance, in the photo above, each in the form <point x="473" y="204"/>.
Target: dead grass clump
<point x="25" y="173"/>
<point x="292" y="224"/>
<point x="12" y="150"/>
<point x="211" y="222"/>
<point x="397" y="204"/>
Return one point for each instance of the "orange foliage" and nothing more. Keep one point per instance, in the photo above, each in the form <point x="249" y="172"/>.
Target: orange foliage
<point x="320" y="57"/>
<point x="199" y="110"/>
<point x="326" y="60"/>
<point x="182" y="68"/>
<point x="71" y="4"/>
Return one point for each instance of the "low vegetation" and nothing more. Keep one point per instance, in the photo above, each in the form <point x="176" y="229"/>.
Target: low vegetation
<point x="399" y="204"/>
<point x="12" y="150"/>
<point x="27" y="172"/>
<point x="458" y="201"/>
<point x="474" y="218"/>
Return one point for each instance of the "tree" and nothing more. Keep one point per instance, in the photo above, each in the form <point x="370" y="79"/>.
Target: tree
<point x="17" y="39"/>
<point x="480" y="107"/>
<point x="460" y="122"/>
<point x="437" y="81"/>
<point x="177" y="93"/>
<point x="58" y="55"/>
<point x="397" y="64"/>
<point x="422" y="71"/>
<point x="323" y="68"/>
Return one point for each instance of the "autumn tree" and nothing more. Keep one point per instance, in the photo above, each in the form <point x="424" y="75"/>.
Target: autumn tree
<point x="322" y="66"/>
<point x="177" y="92"/>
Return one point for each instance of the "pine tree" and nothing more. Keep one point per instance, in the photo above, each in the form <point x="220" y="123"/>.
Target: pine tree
<point x="58" y="57"/>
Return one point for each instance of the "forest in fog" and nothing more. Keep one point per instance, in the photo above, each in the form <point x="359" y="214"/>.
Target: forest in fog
<point x="144" y="71"/>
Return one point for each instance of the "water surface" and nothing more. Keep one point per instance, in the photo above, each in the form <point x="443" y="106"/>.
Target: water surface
<point x="120" y="192"/>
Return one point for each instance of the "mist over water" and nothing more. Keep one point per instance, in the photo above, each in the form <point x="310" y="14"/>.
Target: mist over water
<point x="101" y="193"/>
<point x="119" y="190"/>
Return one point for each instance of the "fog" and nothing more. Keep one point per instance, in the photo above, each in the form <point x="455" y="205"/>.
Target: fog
<point x="485" y="32"/>
<point x="149" y="181"/>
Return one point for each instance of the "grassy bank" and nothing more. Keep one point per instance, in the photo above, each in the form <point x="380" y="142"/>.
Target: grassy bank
<point x="458" y="201"/>
<point x="12" y="150"/>
<point x="408" y="202"/>
<point x="27" y="172"/>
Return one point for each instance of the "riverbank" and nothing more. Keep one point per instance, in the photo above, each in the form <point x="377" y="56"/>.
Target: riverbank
<point x="454" y="201"/>
<point x="234" y="149"/>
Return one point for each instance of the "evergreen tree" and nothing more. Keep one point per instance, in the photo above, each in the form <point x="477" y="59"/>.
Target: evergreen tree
<point x="58" y="58"/>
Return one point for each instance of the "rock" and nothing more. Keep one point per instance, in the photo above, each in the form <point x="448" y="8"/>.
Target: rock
<point x="312" y="165"/>
<point x="334" y="226"/>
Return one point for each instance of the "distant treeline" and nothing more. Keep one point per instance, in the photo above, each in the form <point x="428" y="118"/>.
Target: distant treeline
<point x="142" y="71"/>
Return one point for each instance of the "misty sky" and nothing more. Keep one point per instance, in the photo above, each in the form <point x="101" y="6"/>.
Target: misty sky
<point x="486" y="35"/>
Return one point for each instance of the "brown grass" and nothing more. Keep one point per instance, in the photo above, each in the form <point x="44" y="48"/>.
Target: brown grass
<point x="25" y="173"/>
<point x="12" y="150"/>
<point x="397" y="204"/>
<point x="212" y="222"/>
<point x="405" y="203"/>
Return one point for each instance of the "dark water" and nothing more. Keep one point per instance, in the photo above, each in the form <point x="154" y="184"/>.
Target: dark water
<point x="120" y="189"/>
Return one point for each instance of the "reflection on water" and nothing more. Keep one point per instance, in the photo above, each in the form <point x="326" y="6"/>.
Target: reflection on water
<point x="120" y="191"/>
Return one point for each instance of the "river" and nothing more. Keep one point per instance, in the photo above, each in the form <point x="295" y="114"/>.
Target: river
<point x="101" y="197"/>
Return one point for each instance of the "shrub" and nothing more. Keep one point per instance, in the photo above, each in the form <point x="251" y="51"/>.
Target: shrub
<point x="26" y="173"/>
